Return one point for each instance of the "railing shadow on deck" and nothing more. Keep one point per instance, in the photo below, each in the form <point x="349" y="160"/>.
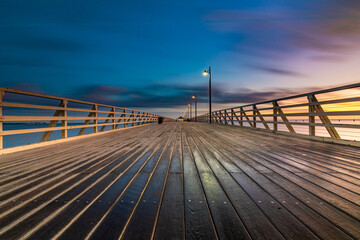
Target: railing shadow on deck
<point x="329" y="115"/>
<point x="46" y="114"/>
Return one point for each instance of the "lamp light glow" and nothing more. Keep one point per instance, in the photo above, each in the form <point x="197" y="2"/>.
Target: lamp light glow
<point x="205" y="73"/>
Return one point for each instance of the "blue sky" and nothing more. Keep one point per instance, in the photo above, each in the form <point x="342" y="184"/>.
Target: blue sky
<point x="150" y="54"/>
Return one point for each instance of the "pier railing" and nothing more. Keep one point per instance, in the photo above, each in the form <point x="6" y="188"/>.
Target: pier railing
<point x="332" y="113"/>
<point x="46" y="114"/>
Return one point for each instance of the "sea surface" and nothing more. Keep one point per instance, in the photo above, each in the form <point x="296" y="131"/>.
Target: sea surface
<point x="29" y="138"/>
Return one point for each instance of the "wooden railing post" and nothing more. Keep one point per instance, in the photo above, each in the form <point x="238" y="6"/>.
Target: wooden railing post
<point x="254" y="116"/>
<point x="2" y="93"/>
<point x="221" y="116"/>
<point x="241" y="117"/>
<point x="275" y="124"/>
<point x="284" y="118"/>
<point x="324" y="118"/>
<point x="141" y="114"/>
<point x="113" y="118"/>
<point x="148" y="117"/>
<point x="261" y="118"/>
<point x="64" y="123"/>
<point x="95" y="107"/>
<point x="135" y="119"/>
<point x="142" y="118"/>
<point x="247" y="118"/>
<point x="311" y="118"/>
<point x="232" y="117"/>
<point x="227" y="116"/>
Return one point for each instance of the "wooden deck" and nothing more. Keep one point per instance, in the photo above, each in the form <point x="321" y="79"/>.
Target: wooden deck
<point x="182" y="181"/>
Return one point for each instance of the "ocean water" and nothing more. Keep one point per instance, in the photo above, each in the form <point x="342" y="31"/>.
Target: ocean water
<point x="29" y="138"/>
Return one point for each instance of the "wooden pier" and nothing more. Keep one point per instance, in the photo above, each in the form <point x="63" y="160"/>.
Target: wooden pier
<point x="182" y="181"/>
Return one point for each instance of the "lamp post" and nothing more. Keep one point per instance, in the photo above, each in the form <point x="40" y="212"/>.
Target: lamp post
<point x="194" y="97"/>
<point x="205" y="73"/>
<point x="189" y="111"/>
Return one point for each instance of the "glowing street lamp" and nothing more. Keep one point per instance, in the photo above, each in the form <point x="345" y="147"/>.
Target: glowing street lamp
<point x="194" y="97"/>
<point x="205" y="73"/>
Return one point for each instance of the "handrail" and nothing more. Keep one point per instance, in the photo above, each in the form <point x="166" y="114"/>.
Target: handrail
<point x="311" y="108"/>
<point x="355" y="85"/>
<point x="116" y="116"/>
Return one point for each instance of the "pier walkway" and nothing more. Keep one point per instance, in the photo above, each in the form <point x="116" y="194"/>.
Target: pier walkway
<point x="182" y="181"/>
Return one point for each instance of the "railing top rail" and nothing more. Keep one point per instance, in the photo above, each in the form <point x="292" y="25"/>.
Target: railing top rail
<point x="10" y="90"/>
<point x="299" y="95"/>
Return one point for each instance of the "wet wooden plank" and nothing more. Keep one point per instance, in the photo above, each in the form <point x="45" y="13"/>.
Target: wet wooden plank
<point x="171" y="222"/>
<point x="222" y="182"/>
<point x="227" y="222"/>
<point x="147" y="209"/>
<point x="198" y="221"/>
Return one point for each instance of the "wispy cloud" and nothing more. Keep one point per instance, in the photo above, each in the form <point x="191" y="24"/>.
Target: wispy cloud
<point x="277" y="71"/>
<point x="282" y="30"/>
<point x="168" y="95"/>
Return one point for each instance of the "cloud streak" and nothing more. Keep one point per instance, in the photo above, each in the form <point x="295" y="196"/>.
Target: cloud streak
<point x="278" y="71"/>
<point x="168" y="95"/>
<point x="289" y="29"/>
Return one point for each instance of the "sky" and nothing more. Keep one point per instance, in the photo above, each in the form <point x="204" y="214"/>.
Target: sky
<point x="149" y="55"/>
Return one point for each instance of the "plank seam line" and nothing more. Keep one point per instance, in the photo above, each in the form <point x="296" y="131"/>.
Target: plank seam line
<point x="147" y="183"/>
<point x="227" y="196"/>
